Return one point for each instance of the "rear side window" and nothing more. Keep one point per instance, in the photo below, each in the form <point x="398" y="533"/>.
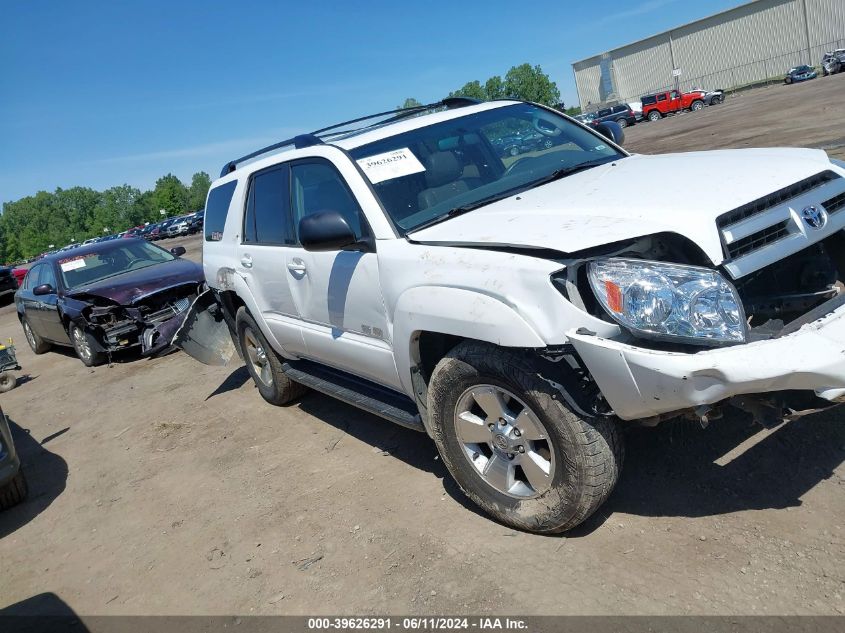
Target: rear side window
<point x="29" y="281"/>
<point x="267" y="218"/>
<point x="648" y="100"/>
<point x="216" y="210"/>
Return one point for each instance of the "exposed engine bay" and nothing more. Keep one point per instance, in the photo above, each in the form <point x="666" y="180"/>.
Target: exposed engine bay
<point x="149" y="322"/>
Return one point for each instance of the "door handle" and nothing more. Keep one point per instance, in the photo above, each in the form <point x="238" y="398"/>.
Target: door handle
<point x="246" y="261"/>
<point x="297" y="266"/>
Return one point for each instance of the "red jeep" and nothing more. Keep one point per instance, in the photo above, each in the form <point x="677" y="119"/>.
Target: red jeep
<point x="658" y="105"/>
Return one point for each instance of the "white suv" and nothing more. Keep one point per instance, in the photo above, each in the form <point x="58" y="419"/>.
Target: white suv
<point x="523" y="310"/>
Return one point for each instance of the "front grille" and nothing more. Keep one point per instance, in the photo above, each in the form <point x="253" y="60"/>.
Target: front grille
<point x="774" y="199"/>
<point x="760" y="238"/>
<point x="835" y="203"/>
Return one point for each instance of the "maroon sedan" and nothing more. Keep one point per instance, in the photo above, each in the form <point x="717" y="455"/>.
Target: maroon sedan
<point x="108" y="296"/>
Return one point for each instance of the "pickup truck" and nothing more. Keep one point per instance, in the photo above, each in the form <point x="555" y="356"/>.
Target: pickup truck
<point x="524" y="310"/>
<point x="658" y="105"/>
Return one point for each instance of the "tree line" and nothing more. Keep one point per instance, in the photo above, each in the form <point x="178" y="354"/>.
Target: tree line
<point x="30" y="226"/>
<point x="525" y="82"/>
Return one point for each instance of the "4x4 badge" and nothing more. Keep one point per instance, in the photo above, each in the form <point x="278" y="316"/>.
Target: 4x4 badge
<point x="814" y="217"/>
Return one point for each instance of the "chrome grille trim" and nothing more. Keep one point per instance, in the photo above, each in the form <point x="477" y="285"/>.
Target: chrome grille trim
<point x="774" y="199"/>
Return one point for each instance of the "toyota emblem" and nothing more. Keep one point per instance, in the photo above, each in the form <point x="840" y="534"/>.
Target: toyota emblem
<point x="814" y="217"/>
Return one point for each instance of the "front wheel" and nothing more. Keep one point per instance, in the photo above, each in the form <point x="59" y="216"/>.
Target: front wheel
<point x="513" y="445"/>
<point x="85" y="346"/>
<point x="263" y="364"/>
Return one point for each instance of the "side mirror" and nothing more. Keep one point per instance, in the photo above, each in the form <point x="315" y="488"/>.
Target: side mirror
<point x="612" y="131"/>
<point x="177" y="251"/>
<point x="43" y="289"/>
<point x="325" y="231"/>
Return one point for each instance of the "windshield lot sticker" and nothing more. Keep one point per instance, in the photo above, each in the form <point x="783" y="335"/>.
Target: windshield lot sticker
<point x="72" y="264"/>
<point x="395" y="164"/>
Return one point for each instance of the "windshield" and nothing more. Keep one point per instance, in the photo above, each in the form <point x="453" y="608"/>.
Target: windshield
<point x="88" y="268"/>
<point x="422" y="175"/>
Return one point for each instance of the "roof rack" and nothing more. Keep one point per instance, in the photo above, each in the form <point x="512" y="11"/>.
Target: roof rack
<point x="307" y="140"/>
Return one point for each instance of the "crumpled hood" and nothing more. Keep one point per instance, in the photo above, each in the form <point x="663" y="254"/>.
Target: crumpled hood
<point x="134" y="285"/>
<point x="636" y="196"/>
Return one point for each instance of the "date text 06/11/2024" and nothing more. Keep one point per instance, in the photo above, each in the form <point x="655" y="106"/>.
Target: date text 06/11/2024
<point x="417" y="623"/>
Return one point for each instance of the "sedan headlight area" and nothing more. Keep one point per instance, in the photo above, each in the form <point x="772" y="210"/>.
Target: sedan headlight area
<point x="669" y="302"/>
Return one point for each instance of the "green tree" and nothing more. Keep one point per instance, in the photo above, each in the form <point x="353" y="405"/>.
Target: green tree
<point x="471" y="89"/>
<point x="171" y="195"/>
<point x="410" y="102"/>
<point x="117" y="210"/>
<point x="494" y="88"/>
<point x="198" y="191"/>
<point x="531" y="84"/>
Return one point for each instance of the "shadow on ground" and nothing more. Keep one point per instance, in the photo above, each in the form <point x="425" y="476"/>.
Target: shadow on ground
<point x="682" y="470"/>
<point x="677" y="469"/>
<point x="46" y="475"/>
<point x="45" y="612"/>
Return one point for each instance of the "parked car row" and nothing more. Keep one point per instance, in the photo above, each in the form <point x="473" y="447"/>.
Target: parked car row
<point x="174" y="227"/>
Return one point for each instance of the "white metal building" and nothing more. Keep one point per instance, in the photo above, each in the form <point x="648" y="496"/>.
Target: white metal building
<point x="750" y="43"/>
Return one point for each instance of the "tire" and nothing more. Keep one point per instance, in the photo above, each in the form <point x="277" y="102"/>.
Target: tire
<point x="13" y="492"/>
<point x="654" y="115"/>
<point x="579" y="459"/>
<point x="513" y="151"/>
<point x="787" y="81"/>
<point x="85" y="346"/>
<point x="37" y="344"/>
<point x="263" y="364"/>
<point x="8" y="381"/>
<point x="622" y="123"/>
<point x="697" y="105"/>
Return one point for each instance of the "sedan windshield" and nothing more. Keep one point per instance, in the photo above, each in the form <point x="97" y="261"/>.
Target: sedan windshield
<point x="88" y="268"/>
<point x="433" y="172"/>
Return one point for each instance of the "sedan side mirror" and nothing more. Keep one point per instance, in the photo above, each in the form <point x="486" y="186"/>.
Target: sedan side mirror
<point x="43" y="289"/>
<point x="611" y="130"/>
<point x="177" y="251"/>
<point x="325" y="231"/>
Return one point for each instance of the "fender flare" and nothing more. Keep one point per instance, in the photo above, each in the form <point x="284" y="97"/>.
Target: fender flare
<point x="457" y="312"/>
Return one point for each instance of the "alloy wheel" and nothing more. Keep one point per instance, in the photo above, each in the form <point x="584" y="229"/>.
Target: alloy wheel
<point x="257" y="356"/>
<point x="81" y="343"/>
<point x="505" y="441"/>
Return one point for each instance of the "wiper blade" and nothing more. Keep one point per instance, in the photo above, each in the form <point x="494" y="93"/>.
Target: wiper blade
<point x="465" y="208"/>
<point x="557" y="174"/>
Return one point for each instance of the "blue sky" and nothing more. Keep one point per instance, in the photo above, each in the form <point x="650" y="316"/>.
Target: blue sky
<point x="105" y="93"/>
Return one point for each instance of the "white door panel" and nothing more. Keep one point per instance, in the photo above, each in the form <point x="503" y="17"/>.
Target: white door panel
<point x="338" y="297"/>
<point x="263" y="270"/>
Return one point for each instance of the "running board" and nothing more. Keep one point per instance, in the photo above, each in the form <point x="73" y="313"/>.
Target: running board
<point x="359" y="392"/>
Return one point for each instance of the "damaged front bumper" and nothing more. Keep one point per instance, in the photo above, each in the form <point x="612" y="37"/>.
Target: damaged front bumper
<point x="206" y="334"/>
<point x="120" y="327"/>
<point x="637" y="382"/>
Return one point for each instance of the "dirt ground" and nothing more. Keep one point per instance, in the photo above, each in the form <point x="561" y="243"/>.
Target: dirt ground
<point x="167" y="487"/>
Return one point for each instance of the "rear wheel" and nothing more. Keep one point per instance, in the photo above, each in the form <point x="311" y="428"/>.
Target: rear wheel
<point x="85" y="346"/>
<point x="263" y="364"/>
<point x="513" y="445"/>
<point x="622" y="123"/>
<point x="8" y="381"/>
<point x="36" y="343"/>
<point x="697" y="105"/>
<point x="13" y="492"/>
<point x="654" y="115"/>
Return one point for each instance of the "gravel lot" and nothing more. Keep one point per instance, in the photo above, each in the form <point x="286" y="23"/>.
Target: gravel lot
<point x="163" y="486"/>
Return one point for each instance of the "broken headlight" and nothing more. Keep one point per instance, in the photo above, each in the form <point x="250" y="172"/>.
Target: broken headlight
<point x="669" y="302"/>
